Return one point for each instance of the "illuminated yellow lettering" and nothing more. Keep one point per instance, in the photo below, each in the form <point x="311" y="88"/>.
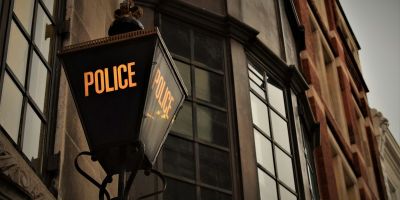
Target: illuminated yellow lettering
<point x="115" y="78"/>
<point x="156" y="79"/>
<point x="131" y="73"/>
<point x="107" y="82"/>
<point x="160" y="89"/>
<point x="99" y="81"/>
<point x="88" y="80"/>
<point x="165" y="98"/>
<point x="123" y="77"/>
<point x="125" y="83"/>
<point x="162" y="94"/>
<point x="168" y="108"/>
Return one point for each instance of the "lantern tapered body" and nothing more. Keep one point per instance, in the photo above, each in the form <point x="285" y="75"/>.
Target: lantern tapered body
<point x="127" y="90"/>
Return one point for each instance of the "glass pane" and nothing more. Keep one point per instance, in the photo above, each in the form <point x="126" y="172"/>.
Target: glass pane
<point x="49" y="5"/>
<point x="264" y="151"/>
<point x="32" y="136"/>
<point x="210" y="87"/>
<point x="184" y="71"/>
<point x="312" y="180"/>
<point x="267" y="186"/>
<point x="41" y="41"/>
<point x="24" y="11"/>
<point x="214" y="167"/>
<point x="211" y="126"/>
<point x="177" y="37"/>
<point x="260" y="113"/>
<point x="256" y="72"/>
<point x="177" y="190"/>
<point x="284" y="168"/>
<point x="285" y="194"/>
<point x="280" y="131"/>
<point x="10" y="108"/>
<point x="256" y="78"/>
<point x="257" y="89"/>
<point x="276" y="99"/>
<point x="209" y="50"/>
<point x="178" y="157"/>
<point x="17" y="57"/>
<point x="207" y="194"/>
<point x="183" y="122"/>
<point x="38" y="82"/>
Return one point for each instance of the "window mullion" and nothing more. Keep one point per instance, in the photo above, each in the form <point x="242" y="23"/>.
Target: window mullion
<point x="22" y="122"/>
<point x="27" y="77"/>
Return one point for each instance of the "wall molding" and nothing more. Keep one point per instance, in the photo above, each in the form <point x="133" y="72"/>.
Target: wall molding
<point x="14" y="166"/>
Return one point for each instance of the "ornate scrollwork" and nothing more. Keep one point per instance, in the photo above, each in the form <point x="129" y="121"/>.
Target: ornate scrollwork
<point x="10" y="167"/>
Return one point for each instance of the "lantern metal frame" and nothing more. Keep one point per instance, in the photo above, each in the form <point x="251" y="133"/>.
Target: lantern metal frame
<point x="137" y="158"/>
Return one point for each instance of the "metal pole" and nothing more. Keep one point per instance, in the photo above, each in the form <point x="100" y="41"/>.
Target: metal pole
<point x="121" y="185"/>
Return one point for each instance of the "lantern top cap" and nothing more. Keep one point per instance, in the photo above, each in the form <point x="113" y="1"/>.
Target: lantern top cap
<point x="109" y="40"/>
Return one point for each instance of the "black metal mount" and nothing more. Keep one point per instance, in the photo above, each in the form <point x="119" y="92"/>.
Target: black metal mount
<point x="126" y="18"/>
<point x="123" y="185"/>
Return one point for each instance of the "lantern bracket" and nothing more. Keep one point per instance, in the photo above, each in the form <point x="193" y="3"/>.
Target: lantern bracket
<point x="123" y="188"/>
<point x="102" y="187"/>
<point x="159" y="175"/>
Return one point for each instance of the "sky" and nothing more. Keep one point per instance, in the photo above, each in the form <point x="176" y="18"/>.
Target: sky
<point x="376" y="25"/>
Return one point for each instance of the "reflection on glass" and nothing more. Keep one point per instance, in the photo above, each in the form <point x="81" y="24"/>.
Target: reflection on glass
<point x="38" y="82"/>
<point x="255" y="77"/>
<point x="24" y="11"/>
<point x="17" y="53"/>
<point x="210" y="87"/>
<point x="211" y="126"/>
<point x="178" y="158"/>
<point x="178" y="190"/>
<point x="256" y="83"/>
<point x="256" y="72"/>
<point x="208" y="194"/>
<point x="41" y="41"/>
<point x="183" y="122"/>
<point x="264" y="151"/>
<point x="49" y="5"/>
<point x="209" y="50"/>
<point x="214" y="167"/>
<point x="285" y="194"/>
<point x="184" y="71"/>
<point x="177" y="37"/>
<point x="257" y="89"/>
<point x="285" y="168"/>
<point x="10" y="108"/>
<point x="32" y="136"/>
<point x="267" y="186"/>
<point x="276" y="99"/>
<point x="259" y="112"/>
<point x="280" y="131"/>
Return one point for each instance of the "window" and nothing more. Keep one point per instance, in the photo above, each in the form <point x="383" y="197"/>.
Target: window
<point x="28" y="75"/>
<point x="196" y="155"/>
<point x="309" y="164"/>
<point x="274" y="153"/>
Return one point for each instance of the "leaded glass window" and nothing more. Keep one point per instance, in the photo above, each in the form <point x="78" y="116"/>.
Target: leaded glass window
<point x="27" y="67"/>
<point x="196" y="155"/>
<point x="274" y="152"/>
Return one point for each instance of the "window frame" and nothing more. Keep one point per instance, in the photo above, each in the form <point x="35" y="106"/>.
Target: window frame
<point x="194" y="101"/>
<point x="294" y="153"/>
<point x="48" y="115"/>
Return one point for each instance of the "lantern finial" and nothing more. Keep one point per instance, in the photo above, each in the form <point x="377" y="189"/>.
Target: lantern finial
<point x="126" y="18"/>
